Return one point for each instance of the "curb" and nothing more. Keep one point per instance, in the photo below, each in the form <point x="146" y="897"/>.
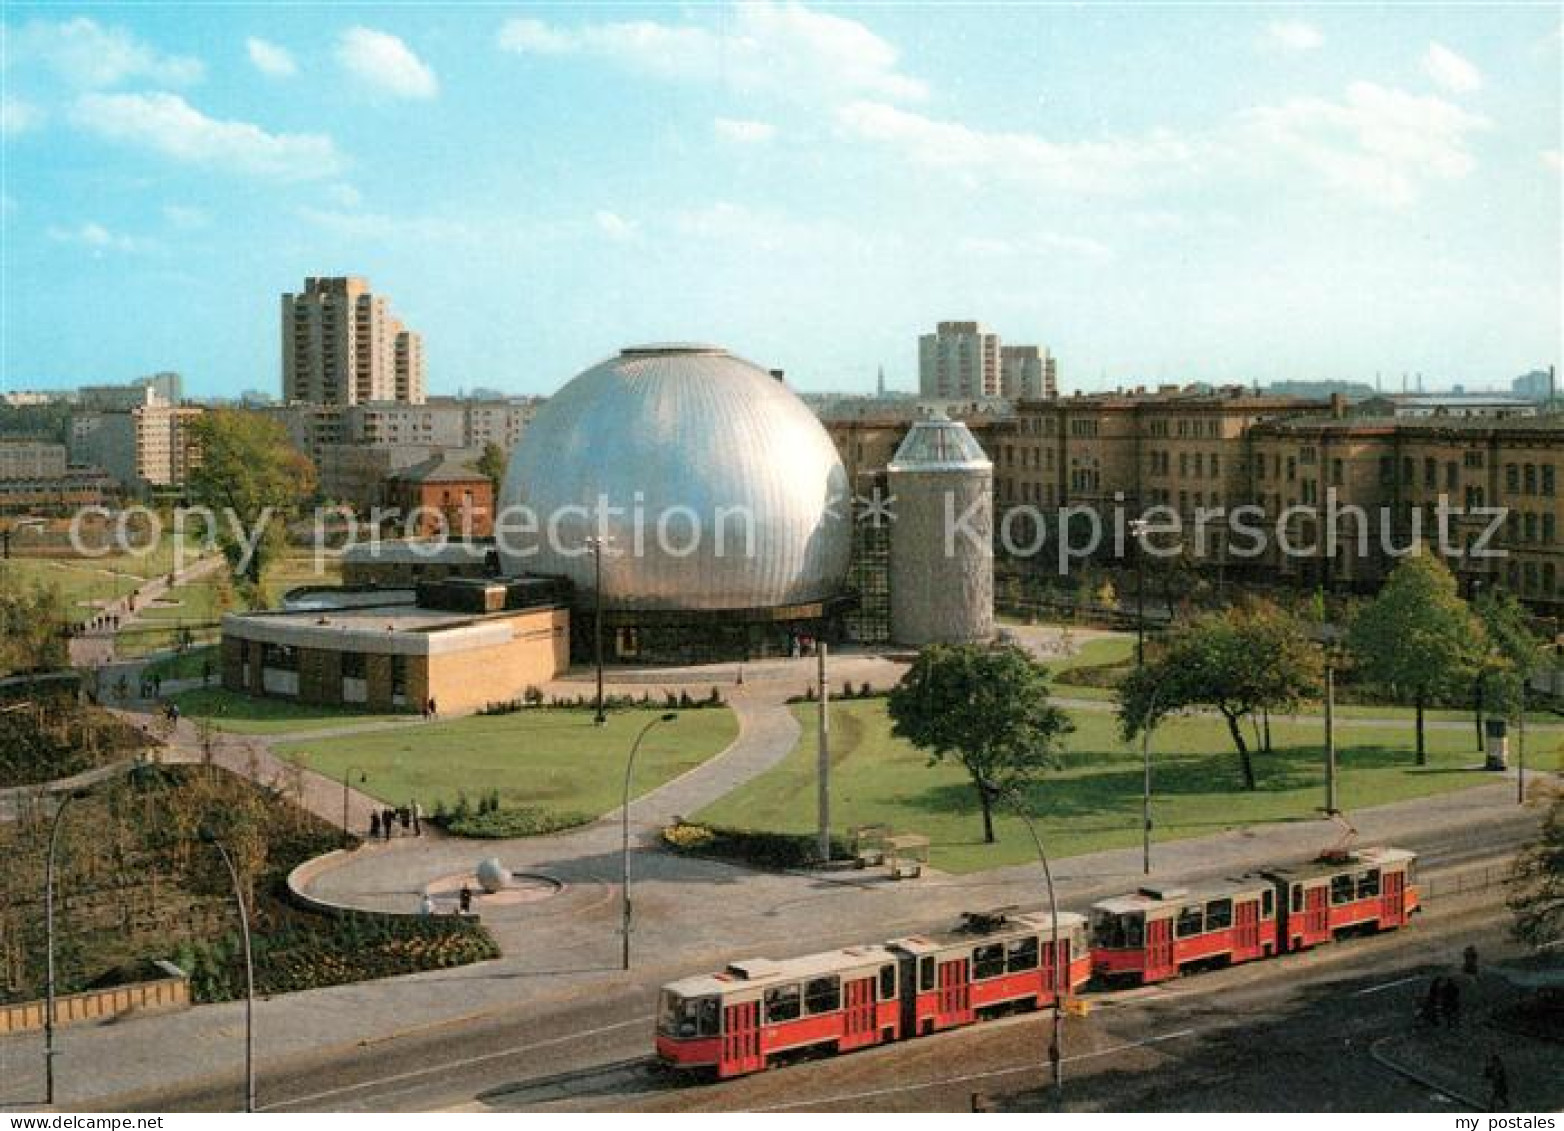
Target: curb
<point x="1376" y="1050"/>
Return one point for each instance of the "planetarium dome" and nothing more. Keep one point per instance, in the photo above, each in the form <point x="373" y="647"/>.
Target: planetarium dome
<point x="717" y="486"/>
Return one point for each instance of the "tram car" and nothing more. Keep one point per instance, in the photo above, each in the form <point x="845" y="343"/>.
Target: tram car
<point x="756" y="1010"/>
<point x="1157" y="933"/>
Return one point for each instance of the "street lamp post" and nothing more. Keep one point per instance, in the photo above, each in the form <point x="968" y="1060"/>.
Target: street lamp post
<point x="1056" y="1045"/>
<point x="1145" y="798"/>
<point x="48" y="919"/>
<point x="624" y="840"/>
<point x="346" y="774"/>
<point x="1332" y="807"/>
<point x="597" y="543"/>
<point x="249" y="971"/>
<point x="1520" y="746"/>
<point x="1138" y="528"/>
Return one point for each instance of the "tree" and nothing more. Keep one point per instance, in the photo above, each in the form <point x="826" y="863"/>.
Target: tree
<point x="32" y="625"/>
<point x="1513" y="650"/>
<point x="1249" y="658"/>
<point x="249" y="470"/>
<point x="492" y="464"/>
<point x="1537" y="882"/>
<point x="986" y="708"/>
<point x="1417" y="637"/>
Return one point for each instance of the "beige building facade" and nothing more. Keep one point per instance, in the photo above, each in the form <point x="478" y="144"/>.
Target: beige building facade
<point x="342" y="345"/>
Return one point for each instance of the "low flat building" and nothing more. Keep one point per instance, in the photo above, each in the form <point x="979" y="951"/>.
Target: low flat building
<point x="400" y="563"/>
<point x="463" y="644"/>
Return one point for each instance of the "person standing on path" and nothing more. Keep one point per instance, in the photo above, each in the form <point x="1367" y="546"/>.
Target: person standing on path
<point x="1498" y="1084"/>
<point x="418" y="818"/>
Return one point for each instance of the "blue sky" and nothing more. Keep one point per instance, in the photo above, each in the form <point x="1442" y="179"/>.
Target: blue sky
<point x="1156" y="192"/>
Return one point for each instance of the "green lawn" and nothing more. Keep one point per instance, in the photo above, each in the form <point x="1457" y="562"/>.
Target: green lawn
<point x="555" y="759"/>
<point x="187" y="665"/>
<point x="194" y="606"/>
<point x="1093" y="802"/>
<point x="245" y="714"/>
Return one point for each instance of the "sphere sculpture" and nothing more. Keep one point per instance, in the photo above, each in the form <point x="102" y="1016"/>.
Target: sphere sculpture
<point x="492" y="875"/>
<point x="717" y="487"/>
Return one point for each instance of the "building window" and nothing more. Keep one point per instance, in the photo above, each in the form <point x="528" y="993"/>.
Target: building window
<point x="1430" y="474"/>
<point x="280" y="656"/>
<point x="1549" y="528"/>
<point x="1452" y="476"/>
<point x="1387" y="471"/>
<point x="1531" y="479"/>
<point x="1472" y="459"/>
<point x="1216" y="465"/>
<point x="1512" y="477"/>
<point x="1547" y="479"/>
<point x="353" y="665"/>
<point x="1335" y="472"/>
<point x="398" y="677"/>
<point x="1530" y="523"/>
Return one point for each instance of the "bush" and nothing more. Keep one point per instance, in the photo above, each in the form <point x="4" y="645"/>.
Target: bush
<point x="749" y="846"/>
<point x="501" y="824"/>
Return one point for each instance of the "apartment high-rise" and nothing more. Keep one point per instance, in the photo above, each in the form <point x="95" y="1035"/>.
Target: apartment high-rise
<point x="1027" y="373"/>
<point x="959" y="361"/>
<point x="341" y="345"/>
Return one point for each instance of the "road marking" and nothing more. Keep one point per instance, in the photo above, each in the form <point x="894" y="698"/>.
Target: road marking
<point x="451" y="1064"/>
<point x="1387" y="985"/>
<point x="1034" y="1066"/>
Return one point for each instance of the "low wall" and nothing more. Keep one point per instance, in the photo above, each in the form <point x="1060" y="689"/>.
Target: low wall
<point x="160" y="995"/>
<point x="308" y="870"/>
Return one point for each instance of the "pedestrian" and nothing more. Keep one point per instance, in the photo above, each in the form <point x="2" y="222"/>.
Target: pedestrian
<point x="374" y="826"/>
<point x="426" y="710"/>
<point x="206" y="672"/>
<point x="386" y="819"/>
<point x="157" y="685"/>
<point x="426" y="906"/>
<point x="1428" y="1014"/>
<point x="1469" y="960"/>
<point x="434" y="712"/>
<point x="418" y="819"/>
<point x="1450" y="1003"/>
<point x="404" y="817"/>
<point x="464" y="899"/>
<point x="1498" y="1084"/>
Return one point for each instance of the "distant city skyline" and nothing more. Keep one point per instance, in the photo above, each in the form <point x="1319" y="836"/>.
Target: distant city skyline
<point x="1158" y="194"/>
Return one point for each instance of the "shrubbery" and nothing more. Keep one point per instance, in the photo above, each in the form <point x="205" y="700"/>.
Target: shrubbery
<point x="534" y="697"/>
<point x="501" y="824"/>
<point x="749" y="846"/>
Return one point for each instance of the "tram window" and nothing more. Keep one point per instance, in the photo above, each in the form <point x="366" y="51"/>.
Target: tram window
<point x="687" y="1017"/>
<point x="782" y="1003"/>
<point x="887" y="981"/>
<point x="1267" y="903"/>
<point x="1297" y="898"/>
<point x="1191" y="921"/>
<point x="1368" y="884"/>
<point x="1343" y="888"/>
<point x="822" y="995"/>
<point x="925" y="973"/>
<point x="988" y="961"/>
<point x="1219" y="914"/>
<point x="1021" y="954"/>
<point x="1134" y="931"/>
<point x="707" y="1013"/>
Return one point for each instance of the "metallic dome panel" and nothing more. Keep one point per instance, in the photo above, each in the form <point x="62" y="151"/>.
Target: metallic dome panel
<point x="666" y="432"/>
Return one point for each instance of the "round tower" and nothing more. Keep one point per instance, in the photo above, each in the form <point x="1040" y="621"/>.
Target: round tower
<point x="942" y="551"/>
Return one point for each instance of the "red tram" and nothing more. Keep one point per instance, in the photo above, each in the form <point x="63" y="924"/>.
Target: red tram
<point x="757" y="1010"/>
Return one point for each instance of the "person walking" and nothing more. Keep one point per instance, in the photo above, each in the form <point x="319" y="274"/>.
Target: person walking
<point x="426" y="906"/>
<point x="374" y="826"/>
<point x="418" y="819"/>
<point x="434" y="712"/>
<point x="1469" y="960"/>
<point x="1428" y="1013"/>
<point x="386" y="820"/>
<point x="464" y="899"/>
<point x="404" y="817"/>
<point x="1450" y="1003"/>
<point x="1498" y="1084"/>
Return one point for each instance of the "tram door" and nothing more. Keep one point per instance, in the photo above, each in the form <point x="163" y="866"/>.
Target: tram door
<point x="858" y="1020"/>
<point x="1392" y="899"/>
<point x="1316" y="913"/>
<point x="955" y="992"/>
<point x="1159" y="949"/>
<point x="1246" y="931"/>
<point x="741" y="1039"/>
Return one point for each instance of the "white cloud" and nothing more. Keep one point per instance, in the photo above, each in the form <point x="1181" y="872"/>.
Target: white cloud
<point x="97" y="239"/>
<point x="270" y="58"/>
<point x="184" y="216"/>
<point x="1449" y="70"/>
<point x="613" y="225"/>
<point x="18" y="116"/>
<point x="780" y="48"/>
<point x="385" y="64"/>
<point x="1293" y="35"/>
<point x="345" y="195"/>
<point x="167" y="124"/>
<point x="382" y="226"/>
<point x="763" y="230"/>
<point x="744" y="131"/>
<point x="1553" y="159"/>
<point x="1378" y="143"/>
<point x="85" y="53"/>
<point x="1112" y="164"/>
<point x="1037" y="245"/>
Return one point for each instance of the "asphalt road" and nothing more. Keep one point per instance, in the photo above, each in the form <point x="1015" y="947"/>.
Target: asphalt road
<point x="1203" y="1043"/>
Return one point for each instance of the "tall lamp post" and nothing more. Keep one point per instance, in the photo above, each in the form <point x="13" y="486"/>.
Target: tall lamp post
<point x="1138" y="527"/>
<point x="624" y="839"/>
<point x="1056" y="1044"/>
<point x="346" y="774"/>
<point x="48" y="929"/>
<point x="249" y="970"/>
<point x="596" y="543"/>
<point x="1145" y="798"/>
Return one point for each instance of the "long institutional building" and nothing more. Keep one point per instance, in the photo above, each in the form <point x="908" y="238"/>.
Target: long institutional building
<point x="1198" y="448"/>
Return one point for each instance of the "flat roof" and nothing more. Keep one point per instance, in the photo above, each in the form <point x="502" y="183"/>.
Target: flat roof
<point x="764" y="972"/>
<point x="396" y="629"/>
<point x="1181" y="897"/>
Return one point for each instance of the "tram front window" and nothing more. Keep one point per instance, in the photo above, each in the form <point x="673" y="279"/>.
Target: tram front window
<point x="687" y="1016"/>
<point x="1118" y="932"/>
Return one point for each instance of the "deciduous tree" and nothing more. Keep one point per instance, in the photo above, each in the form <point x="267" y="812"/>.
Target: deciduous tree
<point x="1537" y="882"/>
<point x="985" y="708"/>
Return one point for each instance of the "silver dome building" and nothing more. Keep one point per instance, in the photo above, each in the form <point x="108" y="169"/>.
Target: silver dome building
<point x="721" y="496"/>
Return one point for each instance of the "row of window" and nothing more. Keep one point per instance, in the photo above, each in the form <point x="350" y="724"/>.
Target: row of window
<point x="1201" y="463"/>
<point x="1348" y="887"/>
<point x="817" y="995"/>
<point x="285" y="658"/>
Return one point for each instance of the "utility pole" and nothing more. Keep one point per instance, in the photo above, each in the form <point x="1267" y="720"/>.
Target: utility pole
<point x="1331" y="806"/>
<point x="1138" y="532"/>
<point x="823" y="762"/>
<point x="596" y="543"/>
<point x="1520" y="747"/>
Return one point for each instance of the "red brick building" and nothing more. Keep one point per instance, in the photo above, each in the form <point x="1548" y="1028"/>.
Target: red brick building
<point x="443" y="487"/>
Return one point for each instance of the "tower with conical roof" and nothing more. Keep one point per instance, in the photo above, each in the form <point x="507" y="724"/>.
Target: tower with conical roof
<point x="942" y="551"/>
